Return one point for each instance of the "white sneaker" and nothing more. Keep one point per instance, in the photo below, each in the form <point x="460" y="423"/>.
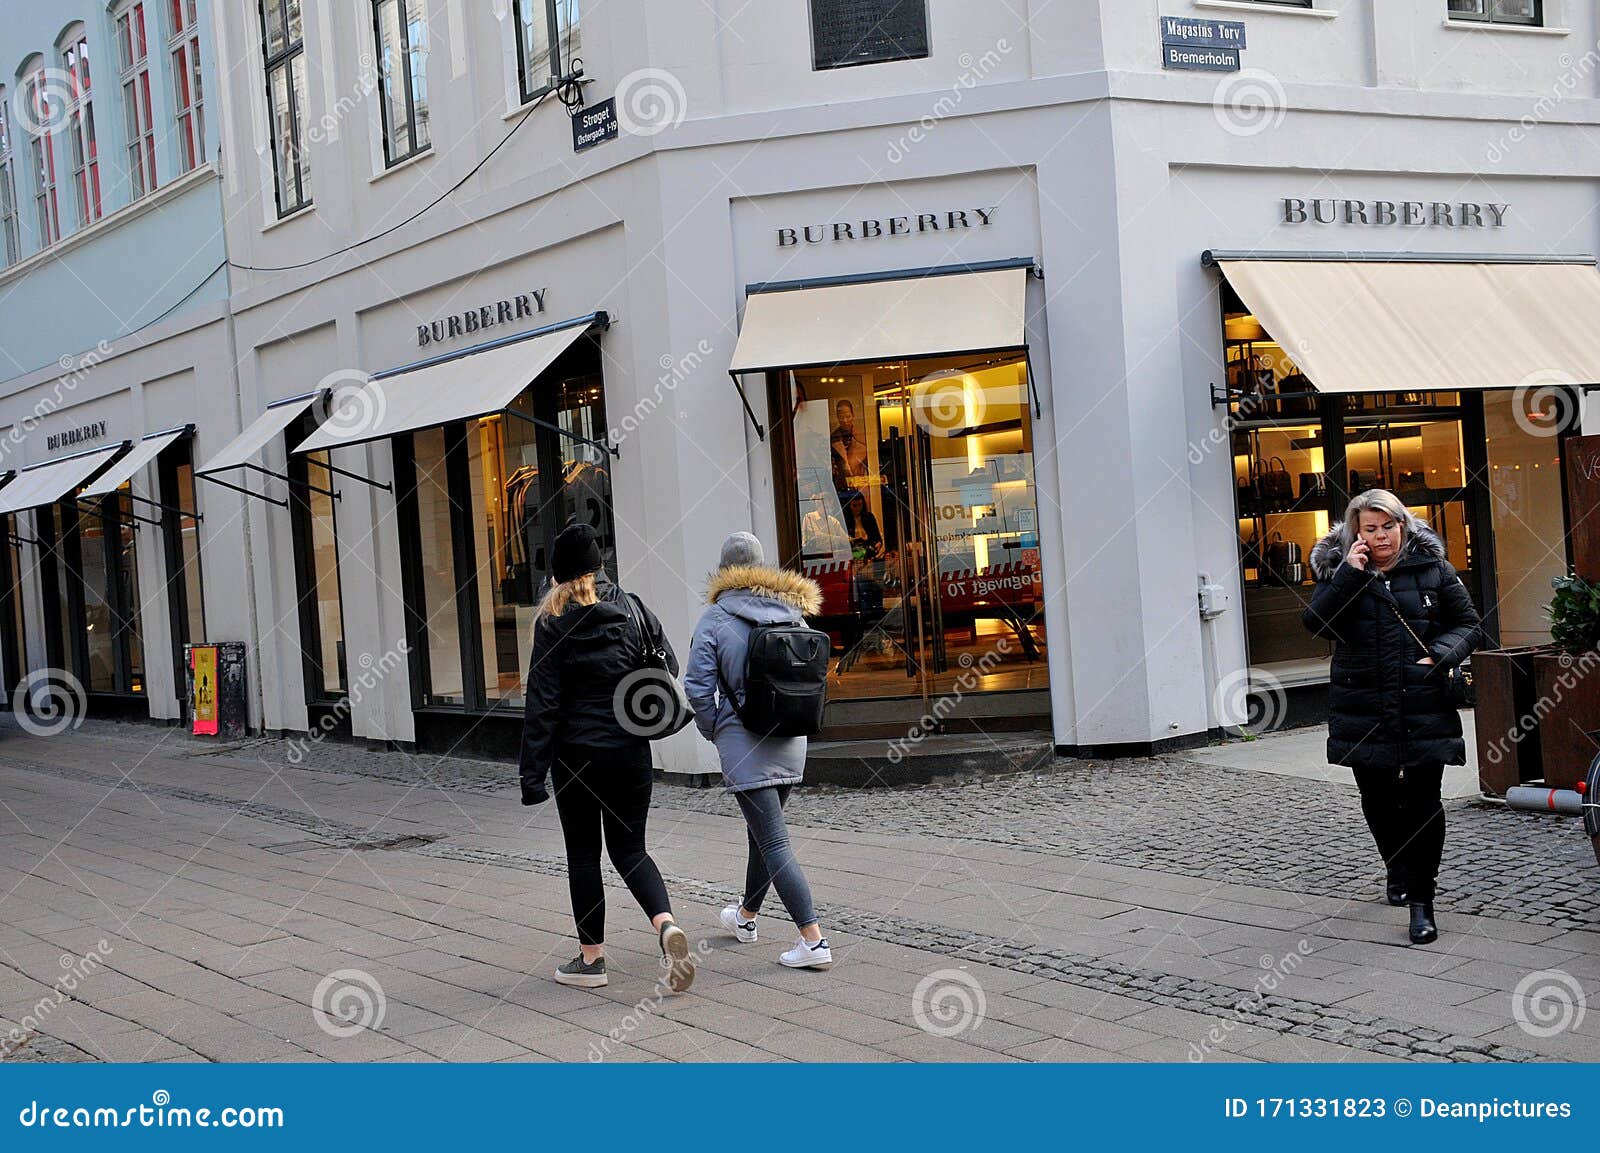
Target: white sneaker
<point x="743" y="931"/>
<point x="805" y="955"/>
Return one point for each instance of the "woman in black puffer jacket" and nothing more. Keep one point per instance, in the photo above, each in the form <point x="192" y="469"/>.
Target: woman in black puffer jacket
<point x="588" y="638"/>
<point x="1400" y="618"/>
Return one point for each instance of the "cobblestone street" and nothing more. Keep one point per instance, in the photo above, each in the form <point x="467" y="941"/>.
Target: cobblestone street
<point x="163" y="899"/>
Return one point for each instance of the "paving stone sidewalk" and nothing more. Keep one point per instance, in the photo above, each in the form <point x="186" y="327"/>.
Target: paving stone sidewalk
<point x="164" y="898"/>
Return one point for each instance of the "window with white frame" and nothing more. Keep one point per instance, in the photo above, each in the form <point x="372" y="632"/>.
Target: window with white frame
<point x="42" y="153"/>
<point x="133" y="71"/>
<point x="1498" y="11"/>
<point x="547" y="43"/>
<point x="80" y="129"/>
<point x="10" y="238"/>
<point x="283" y="54"/>
<point x="401" y="29"/>
<point x="187" y="95"/>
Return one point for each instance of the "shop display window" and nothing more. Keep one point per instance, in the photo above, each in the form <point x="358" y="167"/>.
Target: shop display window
<point x="914" y="507"/>
<point x="1484" y="478"/>
<point x="490" y="494"/>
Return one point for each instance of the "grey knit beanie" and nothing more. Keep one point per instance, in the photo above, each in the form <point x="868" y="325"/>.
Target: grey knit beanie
<point x="742" y="548"/>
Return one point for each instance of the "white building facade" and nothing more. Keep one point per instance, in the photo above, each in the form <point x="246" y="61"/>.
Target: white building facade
<point x="913" y="291"/>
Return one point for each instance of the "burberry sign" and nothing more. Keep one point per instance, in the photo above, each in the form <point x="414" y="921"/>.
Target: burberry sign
<point x="1405" y="213"/>
<point x="508" y="311"/>
<point x="72" y="437"/>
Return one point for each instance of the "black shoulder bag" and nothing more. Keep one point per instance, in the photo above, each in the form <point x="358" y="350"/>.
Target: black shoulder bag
<point x="649" y="702"/>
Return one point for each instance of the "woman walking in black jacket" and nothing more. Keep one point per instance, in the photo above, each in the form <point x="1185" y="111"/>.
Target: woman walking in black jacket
<point x="586" y="640"/>
<point x="1400" y="619"/>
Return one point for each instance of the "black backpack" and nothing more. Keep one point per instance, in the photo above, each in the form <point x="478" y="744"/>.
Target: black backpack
<point x="785" y="681"/>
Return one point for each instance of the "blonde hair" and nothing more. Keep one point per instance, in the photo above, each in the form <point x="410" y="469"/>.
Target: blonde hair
<point x="1378" y="500"/>
<point x="562" y="596"/>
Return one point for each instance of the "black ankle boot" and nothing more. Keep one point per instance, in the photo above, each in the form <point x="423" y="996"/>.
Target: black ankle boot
<point x="1423" y="929"/>
<point x="1395" y="892"/>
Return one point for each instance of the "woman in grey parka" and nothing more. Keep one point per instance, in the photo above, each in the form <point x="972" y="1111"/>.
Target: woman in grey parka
<point x="758" y="771"/>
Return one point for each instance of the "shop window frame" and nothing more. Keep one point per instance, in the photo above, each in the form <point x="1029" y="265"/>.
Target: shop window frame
<point x="1491" y="15"/>
<point x="1334" y="422"/>
<point x="13" y="642"/>
<point x="178" y="454"/>
<point x="60" y="533"/>
<point x="464" y="554"/>
<point x="317" y="694"/>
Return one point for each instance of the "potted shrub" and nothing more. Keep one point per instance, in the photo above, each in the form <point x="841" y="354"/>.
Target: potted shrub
<point x="1568" y="683"/>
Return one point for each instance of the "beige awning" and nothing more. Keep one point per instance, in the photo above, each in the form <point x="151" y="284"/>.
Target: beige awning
<point x="439" y="391"/>
<point x="128" y="467"/>
<point x="1419" y="326"/>
<point x="48" y="483"/>
<point x="246" y="447"/>
<point x="861" y="322"/>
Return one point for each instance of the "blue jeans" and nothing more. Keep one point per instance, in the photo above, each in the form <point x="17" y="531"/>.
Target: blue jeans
<point x="772" y="861"/>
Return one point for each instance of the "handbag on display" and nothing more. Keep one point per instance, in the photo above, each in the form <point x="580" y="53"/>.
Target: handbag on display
<point x="1415" y="478"/>
<point x="1314" y="484"/>
<point x="1297" y="395"/>
<point x="650" y="702"/>
<point x="1249" y="377"/>
<point x="1361" y="481"/>
<point x="516" y="587"/>
<point x="1277" y="486"/>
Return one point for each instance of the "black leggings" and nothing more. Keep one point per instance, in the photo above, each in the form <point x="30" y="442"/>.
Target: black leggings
<point x="609" y="789"/>
<point x="1406" y="817"/>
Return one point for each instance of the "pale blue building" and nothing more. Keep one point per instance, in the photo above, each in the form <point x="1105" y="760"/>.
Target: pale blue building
<point x="114" y="346"/>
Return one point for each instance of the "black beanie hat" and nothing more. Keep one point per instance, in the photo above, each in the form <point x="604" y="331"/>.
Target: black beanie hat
<point x="577" y="552"/>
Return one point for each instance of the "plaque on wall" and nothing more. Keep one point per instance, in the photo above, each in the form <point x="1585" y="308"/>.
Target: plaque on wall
<point x="846" y="32"/>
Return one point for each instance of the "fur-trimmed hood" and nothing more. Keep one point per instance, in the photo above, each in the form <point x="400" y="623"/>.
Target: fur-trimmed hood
<point x="1421" y="544"/>
<point x="781" y="585"/>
